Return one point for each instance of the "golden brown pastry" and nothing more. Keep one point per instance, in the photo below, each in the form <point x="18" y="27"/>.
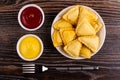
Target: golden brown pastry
<point x="57" y="41"/>
<point x="62" y="24"/>
<point x="97" y="25"/>
<point x="73" y="48"/>
<point x="91" y="17"/>
<point x="92" y="42"/>
<point x="78" y="22"/>
<point x="67" y="36"/>
<point x="85" y="28"/>
<point x="85" y="12"/>
<point x="72" y="15"/>
<point x="85" y="52"/>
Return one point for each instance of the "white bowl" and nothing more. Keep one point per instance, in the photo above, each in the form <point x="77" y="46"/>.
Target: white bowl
<point x="18" y="51"/>
<point x="26" y="6"/>
<point x="101" y="33"/>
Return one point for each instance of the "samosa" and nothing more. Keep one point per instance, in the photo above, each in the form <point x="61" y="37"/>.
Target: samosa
<point x="86" y="12"/>
<point x="85" y="52"/>
<point x="73" y="48"/>
<point x="72" y="15"/>
<point x="92" y="42"/>
<point x="85" y="28"/>
<point x="97" y="25"/>
<point x="67" y="36"/>
<point x="57" y="41"/>
<point x="62" y="24"/>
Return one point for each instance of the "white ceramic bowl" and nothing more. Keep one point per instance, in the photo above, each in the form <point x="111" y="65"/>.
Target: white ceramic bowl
<point x="18" y="44"/>
<point x="26" y="6"/>
<point x="101" y="33"/>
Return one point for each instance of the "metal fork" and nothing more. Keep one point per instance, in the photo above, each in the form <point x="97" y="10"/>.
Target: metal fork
<point x="28" y="68"/>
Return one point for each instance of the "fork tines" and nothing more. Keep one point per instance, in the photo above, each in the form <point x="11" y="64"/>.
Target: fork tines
<point x="28" y="68"/>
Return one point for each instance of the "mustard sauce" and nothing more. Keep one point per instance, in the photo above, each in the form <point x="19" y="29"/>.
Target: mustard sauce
<point x="30" y="47"/>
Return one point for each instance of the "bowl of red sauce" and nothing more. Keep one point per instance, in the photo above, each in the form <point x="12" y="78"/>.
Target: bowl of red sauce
<point x="31" y="17"/>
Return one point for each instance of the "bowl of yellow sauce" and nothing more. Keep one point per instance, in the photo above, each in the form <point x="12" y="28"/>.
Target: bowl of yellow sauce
<point x="29" y="47"/>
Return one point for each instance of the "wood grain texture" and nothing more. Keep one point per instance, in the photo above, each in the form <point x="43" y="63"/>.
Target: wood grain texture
<point x="108" y="58"/>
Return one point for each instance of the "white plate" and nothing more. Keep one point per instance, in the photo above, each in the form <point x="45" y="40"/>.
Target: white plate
<point x="101" y="33"/>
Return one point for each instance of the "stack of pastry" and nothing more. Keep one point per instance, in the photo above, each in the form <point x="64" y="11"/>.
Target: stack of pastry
<point x="76" y="32"/>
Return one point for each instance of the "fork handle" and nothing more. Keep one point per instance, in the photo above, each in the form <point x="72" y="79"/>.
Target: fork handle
<point x="75" y="68"/>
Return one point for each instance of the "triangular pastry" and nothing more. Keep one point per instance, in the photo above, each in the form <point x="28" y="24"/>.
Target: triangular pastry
<point x="85" y="12"/>
<point x="73" y="48"/>
<point x="85" y="28"/>
<point x="72" y="15"/>
<point x="57" y="41"/>
<point x="97" y="25"/>
<point x="92" y="42"/>
<point x="67" y="36"/>
<point x="62" y="24"/>
<point x="85" y="52"/>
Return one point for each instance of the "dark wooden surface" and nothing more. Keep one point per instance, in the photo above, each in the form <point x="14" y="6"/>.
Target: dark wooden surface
<point x="108" y="58"/>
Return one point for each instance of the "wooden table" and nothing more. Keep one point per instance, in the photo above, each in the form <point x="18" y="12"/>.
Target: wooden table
<point x="108" y="58"/>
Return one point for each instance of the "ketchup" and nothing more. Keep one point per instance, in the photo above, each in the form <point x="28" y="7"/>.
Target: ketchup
<point x="31" y="17"/>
